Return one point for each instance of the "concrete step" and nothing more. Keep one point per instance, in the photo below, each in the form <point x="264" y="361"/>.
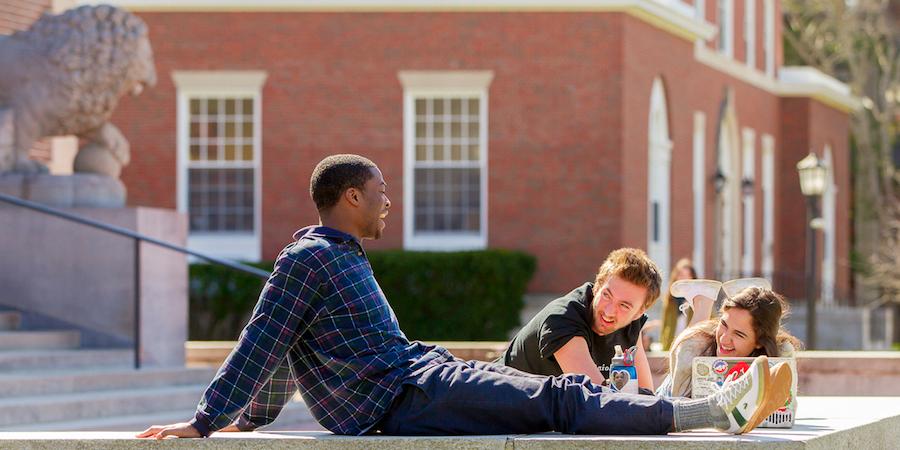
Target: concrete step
<point x="57" y="382"/>
<point x="14" y="361"/>
<point x="294" y="417"/>
<point x="91" y="405"/>
<point x="32" y="340"/>
<point x="10" y="320"/>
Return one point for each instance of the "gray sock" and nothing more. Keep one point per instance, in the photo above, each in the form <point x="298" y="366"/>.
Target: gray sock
<point x="699" y="413"/>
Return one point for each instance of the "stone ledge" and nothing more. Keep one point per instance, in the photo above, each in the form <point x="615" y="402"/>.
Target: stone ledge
<point x="821" y="372"/>
<point x="823" y="423"/>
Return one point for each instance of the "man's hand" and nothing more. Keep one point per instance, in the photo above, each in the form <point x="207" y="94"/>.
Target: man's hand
<point x="230" y="429"/>
<point x="181" y="430"/>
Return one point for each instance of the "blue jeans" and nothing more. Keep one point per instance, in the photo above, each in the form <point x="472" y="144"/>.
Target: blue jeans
<point x="473" y="397"/>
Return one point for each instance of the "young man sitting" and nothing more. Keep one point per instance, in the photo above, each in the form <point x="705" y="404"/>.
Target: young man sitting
<point x="577" y="333"/>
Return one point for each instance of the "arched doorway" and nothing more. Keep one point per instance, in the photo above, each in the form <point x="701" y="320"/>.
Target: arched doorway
<point x="728" y="190"/>
<point x="658" y="179"/>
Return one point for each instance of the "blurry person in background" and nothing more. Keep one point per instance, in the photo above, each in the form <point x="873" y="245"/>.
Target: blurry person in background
<point x="672" y="321"/>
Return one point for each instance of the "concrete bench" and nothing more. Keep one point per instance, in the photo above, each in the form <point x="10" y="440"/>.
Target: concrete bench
<point x="821" y="372"/>
<point x="823" y="423"/>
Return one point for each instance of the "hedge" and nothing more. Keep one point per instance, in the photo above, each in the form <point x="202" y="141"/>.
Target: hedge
<point x="473" y="295"/>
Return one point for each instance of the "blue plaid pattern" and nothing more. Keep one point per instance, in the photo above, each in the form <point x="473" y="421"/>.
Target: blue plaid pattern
<point x="323" y="325"/>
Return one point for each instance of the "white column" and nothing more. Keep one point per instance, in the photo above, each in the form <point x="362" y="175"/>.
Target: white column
<point x="699" y="187"/>
<point x="768" y="193"/>
<point x="829" y="198"/>
<point x="748" y="174"/>
<point x="62" y="154"/>
<point x="750" y="32"/>
<point x="769" y="36"/>
<point x="659" y="186"/>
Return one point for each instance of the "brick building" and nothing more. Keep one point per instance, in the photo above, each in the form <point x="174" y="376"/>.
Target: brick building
<point x="563" y="128"/>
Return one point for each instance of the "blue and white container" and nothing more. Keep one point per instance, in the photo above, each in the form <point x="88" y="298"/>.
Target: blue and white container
<point x="622" y="373"/>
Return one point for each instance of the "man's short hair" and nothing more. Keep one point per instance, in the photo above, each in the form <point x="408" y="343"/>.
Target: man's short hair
<point x="633" y="266"/>
<point x="334" y="175"/>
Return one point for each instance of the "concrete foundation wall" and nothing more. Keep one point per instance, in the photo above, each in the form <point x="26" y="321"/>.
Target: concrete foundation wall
<point x="63" y="274"/>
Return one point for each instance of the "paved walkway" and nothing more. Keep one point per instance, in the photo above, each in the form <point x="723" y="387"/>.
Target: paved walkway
<point x="823" y="423"/>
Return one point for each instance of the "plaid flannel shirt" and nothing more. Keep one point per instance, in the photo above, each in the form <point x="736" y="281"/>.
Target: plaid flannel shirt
<point x="323" y="325"/>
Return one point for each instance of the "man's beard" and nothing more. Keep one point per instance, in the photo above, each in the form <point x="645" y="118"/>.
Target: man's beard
<point x="377" y="229"/>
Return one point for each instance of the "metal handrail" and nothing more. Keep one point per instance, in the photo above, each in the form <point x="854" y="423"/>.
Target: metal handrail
<point x="138" y="238"/>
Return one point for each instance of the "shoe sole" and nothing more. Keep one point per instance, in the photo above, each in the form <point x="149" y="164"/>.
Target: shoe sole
<point x="778" y="389"/>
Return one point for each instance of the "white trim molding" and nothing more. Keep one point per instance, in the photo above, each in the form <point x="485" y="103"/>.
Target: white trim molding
<point x="804" y="81"/>
<point x="444" y="86"/>
<point x="242" y="80"/>
<point x="794" y="81"/>
<point x="673" y="16"/>
<point x="445" y="81"/>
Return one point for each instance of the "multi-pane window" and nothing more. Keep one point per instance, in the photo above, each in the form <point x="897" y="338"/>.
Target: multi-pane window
<point x="725" y="18"/>
<point x="445" y="159"/>
<point x="447" y="165"/>
<point x="220" y="164"/>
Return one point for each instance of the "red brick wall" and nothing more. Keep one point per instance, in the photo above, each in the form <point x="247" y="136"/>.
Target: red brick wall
<point x="18" y="15"/>
<point x="568" y="110"/>
<point x="333" y="87"/>
<point x="808" y="125"/>
<point x="790" y="223"/>
<point x="690" y="87"/>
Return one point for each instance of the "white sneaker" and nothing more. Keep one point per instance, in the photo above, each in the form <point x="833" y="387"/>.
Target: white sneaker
<point x="734" y="287"/>
<point x="748" y="400"/>
<point x="689" y="289"/>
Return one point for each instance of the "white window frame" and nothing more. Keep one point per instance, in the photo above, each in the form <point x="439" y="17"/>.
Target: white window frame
<point x="750" y="33"/>
<point x="768" y="193"/>
<point x="699" y="187"/>
<point x="700" y="11"/>
<point x="748" y="172"/>
<point x="726" y="27"/>
<point x="430" y="84"/>
<point x="769" y="36"/>
<point x="205" y="84"/>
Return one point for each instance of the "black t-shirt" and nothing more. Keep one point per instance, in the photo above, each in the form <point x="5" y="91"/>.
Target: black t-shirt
<point x="562" y="319"/>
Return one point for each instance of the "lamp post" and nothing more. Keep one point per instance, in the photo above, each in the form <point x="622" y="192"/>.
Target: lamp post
<point x="812" y="184"/>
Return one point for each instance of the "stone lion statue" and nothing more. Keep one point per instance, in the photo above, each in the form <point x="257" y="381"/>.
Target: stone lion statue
<point x="64" y="76"/>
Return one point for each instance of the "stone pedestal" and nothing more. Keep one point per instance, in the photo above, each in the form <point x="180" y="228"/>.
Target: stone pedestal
<point x="80" y="190"/>
<point x="62" y="274"/>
